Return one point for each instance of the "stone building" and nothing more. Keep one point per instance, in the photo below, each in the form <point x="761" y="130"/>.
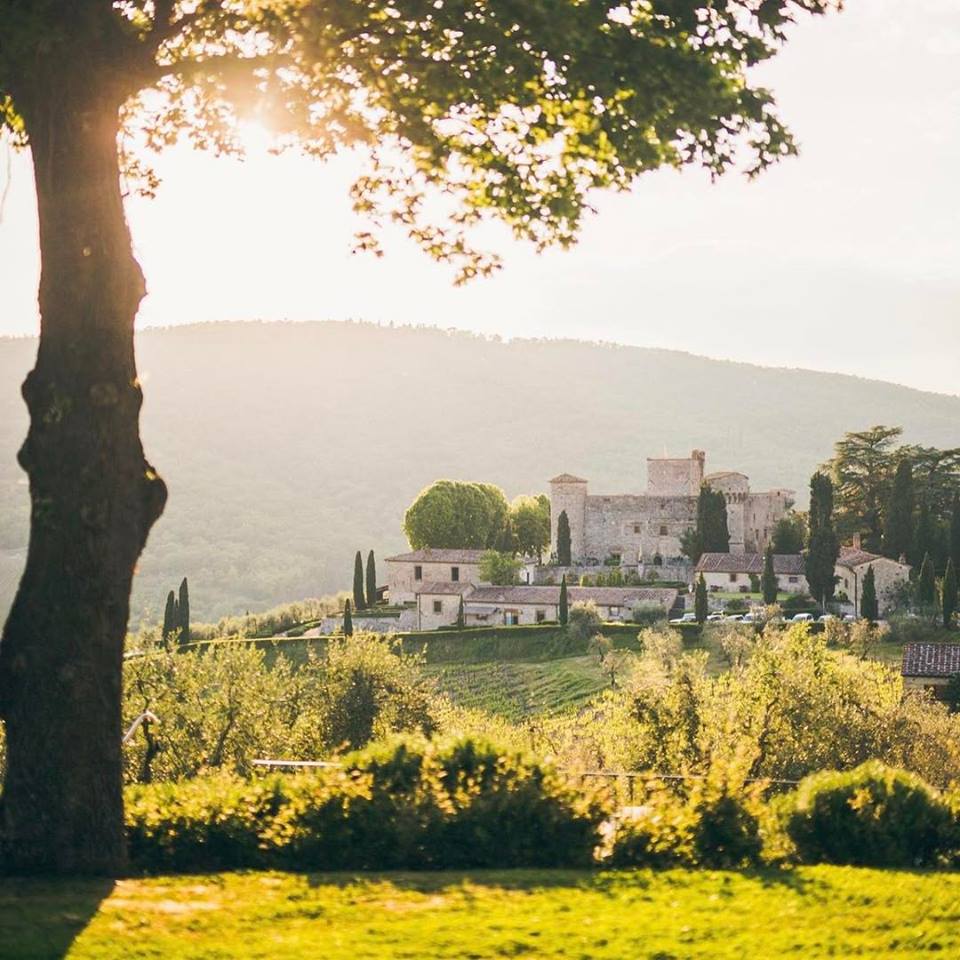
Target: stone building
<point x="737" y="572"/>
<point x="408" y="572"/>
<point x="889" y="576"/>
<point x="645" y="529"/>
<point x="930" y="666"/>
<point x="438" y="603"/>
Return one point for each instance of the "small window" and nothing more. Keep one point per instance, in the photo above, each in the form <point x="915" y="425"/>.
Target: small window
<point x="511" y="617"/>
<point x="733" y="578"/>
<point x="438" y="606"/>
<point x="614" y="611"/>
<point x="541" y="616"/>
<point x="418" y="572"/>
<point x="663" y="529"/>
<point x="455" y="574"/>
<point x="636" y="528"/>
<point x="794" y="579"/>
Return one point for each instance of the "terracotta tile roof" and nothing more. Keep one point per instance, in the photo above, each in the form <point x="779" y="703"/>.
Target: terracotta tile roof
<point x="444" y="587"/>
<point x="438" y="555"/>
<point x="855" y="557"/>
<point x="931" y="660"/>
<point x="566" y="478"/>
<point x="784" y="564"/>
<point x="605" y="596"/>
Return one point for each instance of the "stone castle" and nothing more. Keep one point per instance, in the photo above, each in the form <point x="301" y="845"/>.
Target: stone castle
<point x="645" y="529"/>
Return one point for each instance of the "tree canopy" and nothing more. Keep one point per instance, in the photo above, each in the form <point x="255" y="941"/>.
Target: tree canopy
<point x="451" y="513"/>
<point x="530" y="524"/>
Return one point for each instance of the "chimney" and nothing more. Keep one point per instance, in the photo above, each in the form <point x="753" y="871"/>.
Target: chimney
<point x="857" y="542"/>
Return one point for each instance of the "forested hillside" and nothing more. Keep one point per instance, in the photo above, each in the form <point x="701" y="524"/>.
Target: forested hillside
<point x="287" y="447"/>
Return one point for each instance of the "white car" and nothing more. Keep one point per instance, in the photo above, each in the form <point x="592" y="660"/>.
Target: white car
<point x="714" y="617"/>
<point x="802" y="618"/>
<point x="733" y="618"/>
<point x="826" y="618"/>
<point x="686" y="618"/>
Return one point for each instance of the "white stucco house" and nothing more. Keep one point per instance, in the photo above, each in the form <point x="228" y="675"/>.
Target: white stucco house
<point x="889" y="575"/>
<point x="407" y="573"/>
<point x="737" y="572"/>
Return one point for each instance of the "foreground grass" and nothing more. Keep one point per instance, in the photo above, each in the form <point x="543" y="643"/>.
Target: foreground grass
<point x="812" y="912"/>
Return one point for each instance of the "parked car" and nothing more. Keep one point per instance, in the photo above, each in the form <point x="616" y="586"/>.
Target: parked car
<point x="686" y="618"/>
<point x="802" y="618"/>
<point x="826" y="618"/>
<point x="714" y="617"/>
<point x="733" y="618"/>
<point x="849" y="618"/>
<point x="749" y="618"/>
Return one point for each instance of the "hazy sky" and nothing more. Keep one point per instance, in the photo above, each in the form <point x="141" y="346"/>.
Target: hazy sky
<point x="846" y="258"/>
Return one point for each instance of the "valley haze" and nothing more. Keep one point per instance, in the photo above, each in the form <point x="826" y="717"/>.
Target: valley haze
<point x="289" y="446"/>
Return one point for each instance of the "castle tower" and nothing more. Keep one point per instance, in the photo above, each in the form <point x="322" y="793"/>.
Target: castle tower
<point x="671" y="477"/>
<point x="569" y="493"/>
<point x="735" y="488"/>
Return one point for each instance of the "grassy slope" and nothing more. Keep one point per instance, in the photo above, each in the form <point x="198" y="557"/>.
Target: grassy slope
<point x="810" y="913"/>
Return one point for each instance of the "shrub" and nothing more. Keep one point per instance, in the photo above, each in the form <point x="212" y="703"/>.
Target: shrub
<point x="407" y="804"/>
<point x="718" y="827"/>
<point x="211" y="823"/>
<point x="873" y="815"/>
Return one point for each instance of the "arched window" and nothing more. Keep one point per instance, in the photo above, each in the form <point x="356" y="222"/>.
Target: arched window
<point x="657" y="560"/>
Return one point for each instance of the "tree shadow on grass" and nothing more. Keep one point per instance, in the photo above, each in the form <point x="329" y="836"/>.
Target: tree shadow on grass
<point x="40" y="919"/>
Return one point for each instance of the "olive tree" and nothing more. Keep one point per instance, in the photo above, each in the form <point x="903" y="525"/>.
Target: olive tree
<point x="513" y="110"/>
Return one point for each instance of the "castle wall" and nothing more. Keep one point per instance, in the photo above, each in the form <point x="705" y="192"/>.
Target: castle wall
<point x="572" y="498"/>
<point x="637" y="526"/>
<point x="675" y="478"/>
<point x="762" y="512"/>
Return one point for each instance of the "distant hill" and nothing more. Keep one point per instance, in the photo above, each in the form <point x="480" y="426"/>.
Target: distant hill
<point x="289" y="446"/>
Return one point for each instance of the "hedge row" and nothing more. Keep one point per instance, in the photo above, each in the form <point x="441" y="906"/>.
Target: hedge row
<point x="402" y="805"/>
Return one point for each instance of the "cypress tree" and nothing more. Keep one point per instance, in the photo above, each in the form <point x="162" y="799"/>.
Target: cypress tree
<point x="768" y="582"/>
<point x="898" y="525"/>
<point x="564" y="610"/>
<point x="927" y="585"/>
<point x="171" y="617"/>
<point x="183" y="610"/>
<point x="371" y="580"/>
<point x="563" y="539"/>
<point x="461" y="615"/>
<point x="359" y="601"/>
<point x="701" y="606"/>
<point x="823" y="547"/>
<point x="924" y="536"/>
<point x="347" y="620"/>
<point x="954" y="536"/>
<point x="869" y="608"/>
<point x="948" y="591"/>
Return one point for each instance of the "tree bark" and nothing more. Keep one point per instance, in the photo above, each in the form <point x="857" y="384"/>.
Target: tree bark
<point x="93" y="495"/>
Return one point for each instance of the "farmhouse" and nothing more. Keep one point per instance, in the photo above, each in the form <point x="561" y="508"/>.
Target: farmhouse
<point x="930" y="666"/>
<point x="889" y="575"/>
<point x="438" y="604"/>
<point x="645" y="529"/>
<point x="741" y="572"/>
<point x="408" y="572"/>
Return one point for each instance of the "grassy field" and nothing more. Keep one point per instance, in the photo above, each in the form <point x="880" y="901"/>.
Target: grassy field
<point x="810" y="913"/>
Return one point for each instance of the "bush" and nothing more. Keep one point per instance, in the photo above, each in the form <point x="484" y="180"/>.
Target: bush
<point x="406" y="804"/>
<point x="873" y="815"/>
<point x="717" y="827"/>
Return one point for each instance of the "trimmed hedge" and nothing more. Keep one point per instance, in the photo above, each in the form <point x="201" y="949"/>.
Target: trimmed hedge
<point x="873" y="816"/>
<point x="406" y="804"/>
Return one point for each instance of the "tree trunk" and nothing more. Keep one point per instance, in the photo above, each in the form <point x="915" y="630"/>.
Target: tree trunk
<point x="93" y="496"/>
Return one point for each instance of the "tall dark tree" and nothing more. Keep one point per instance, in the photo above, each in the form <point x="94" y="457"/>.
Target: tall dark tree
<point x="768" y="581"/>
<point x="862" y="470"/>
<point x="789" y="535"/>
<point x="824" y="547"/>
<point x="563" y="539"/>
<point x="711" y="534"/>
<point x="948" y="594"/>
<point x="461" y="614"/>
<point x="347" y="619"/>
<point x="183" y="611"/>
<point x="171" y="617"/>
<point x="701" y="605"/>
<point x="899" y="519"/>
<point x="924" y="540"/>
<point x="954" y="538"/>
<point x="869" y="606"/>
<point x="371" y="591"/>
<point x="359" y="601"/>
<point x="434" y="92"/>
<point x="563" y="608"/>
<point x="927" y="585"/>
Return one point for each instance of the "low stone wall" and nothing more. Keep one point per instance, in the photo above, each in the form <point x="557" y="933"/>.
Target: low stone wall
<point x="406" y="622"/>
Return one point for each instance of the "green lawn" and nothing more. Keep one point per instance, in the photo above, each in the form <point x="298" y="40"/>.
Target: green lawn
<point x="809" y="913"/>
